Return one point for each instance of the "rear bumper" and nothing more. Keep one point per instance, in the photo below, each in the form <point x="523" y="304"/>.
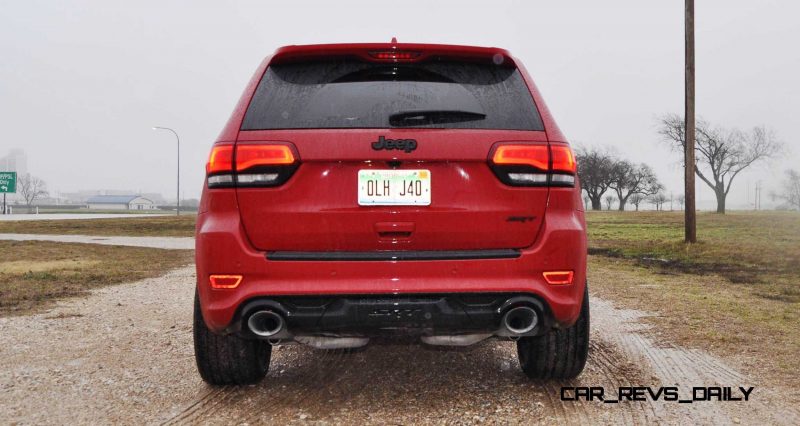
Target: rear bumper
<point x="222" y="248"/>
<point x="386" y="315"/>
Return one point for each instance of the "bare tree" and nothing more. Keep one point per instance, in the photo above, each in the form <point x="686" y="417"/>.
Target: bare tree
<point x="791" y="189"/>
<point x="658" y="200"/>
<point x="30" y="189"/>
<point x="628" y="179"/>
<point x="595" y="167"/>
<point x="609" y="199"/>
<point x="681" y="199"/>
<point x="637" y="199"/>
<point x="722" y="153"/>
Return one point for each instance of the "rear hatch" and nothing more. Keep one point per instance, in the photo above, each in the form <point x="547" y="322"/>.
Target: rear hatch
<point x="388" y="156"/>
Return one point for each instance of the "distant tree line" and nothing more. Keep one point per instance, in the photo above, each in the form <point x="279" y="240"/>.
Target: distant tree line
<point x="790" y="193"/>
<point x="721" y="154"/>
<point x="601" y="171"/>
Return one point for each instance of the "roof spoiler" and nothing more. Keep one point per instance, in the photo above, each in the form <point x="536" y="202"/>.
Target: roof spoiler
<point x="393" y="53"/>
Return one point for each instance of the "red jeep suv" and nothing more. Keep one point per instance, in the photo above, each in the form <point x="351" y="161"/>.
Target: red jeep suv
<point x="369" y="190"/>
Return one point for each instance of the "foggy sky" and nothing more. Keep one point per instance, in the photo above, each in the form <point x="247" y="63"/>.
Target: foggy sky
<point x="83" y="82"/>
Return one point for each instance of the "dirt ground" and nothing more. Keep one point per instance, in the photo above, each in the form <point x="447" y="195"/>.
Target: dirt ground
<point x="124" y="355"/>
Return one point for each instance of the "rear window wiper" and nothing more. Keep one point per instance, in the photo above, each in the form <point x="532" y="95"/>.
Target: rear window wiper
<point x="421" y="118"/>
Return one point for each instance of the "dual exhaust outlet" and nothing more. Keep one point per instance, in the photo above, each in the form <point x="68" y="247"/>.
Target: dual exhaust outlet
<point x="520" y="320"/>
<point x="269" y="324"/>
<point x="517" y="321"/>
<point x="265" y="323"/>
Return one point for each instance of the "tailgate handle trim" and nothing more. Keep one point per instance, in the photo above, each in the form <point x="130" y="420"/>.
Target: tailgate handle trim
<point x="394" y="230"/>
<point x="394" y="234"/>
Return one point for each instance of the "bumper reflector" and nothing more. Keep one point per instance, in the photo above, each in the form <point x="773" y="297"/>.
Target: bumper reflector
<point x="224" y="281"/>
<point x="558" y="277"/>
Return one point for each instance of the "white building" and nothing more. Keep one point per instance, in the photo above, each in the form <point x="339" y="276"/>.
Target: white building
<point x="82" y="197"/>
<point x="120" y="202"/>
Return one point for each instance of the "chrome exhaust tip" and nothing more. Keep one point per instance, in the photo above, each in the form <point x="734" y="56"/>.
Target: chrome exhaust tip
<point x="520" y="320"/>
<point x="265" y="323"/>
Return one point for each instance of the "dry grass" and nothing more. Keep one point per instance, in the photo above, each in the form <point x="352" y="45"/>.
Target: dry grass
<point x="757" y="334"/>
<point x="160" y="226"/>
<point x="736" y="292"/>
<point x="34" y="273"/>
<point x="757" y="248"/>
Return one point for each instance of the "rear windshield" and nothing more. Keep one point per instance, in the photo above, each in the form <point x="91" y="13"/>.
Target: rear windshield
<point x="353" y="94"/>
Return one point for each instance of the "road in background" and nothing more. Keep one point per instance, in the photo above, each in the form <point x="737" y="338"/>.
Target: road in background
<point x="61" y="216"/>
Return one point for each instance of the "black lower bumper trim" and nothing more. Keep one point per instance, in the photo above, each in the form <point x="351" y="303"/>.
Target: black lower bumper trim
<point x="409" y="314"/>
<point x="393" y="255"/>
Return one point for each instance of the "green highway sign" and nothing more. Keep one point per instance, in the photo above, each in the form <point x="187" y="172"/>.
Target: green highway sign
<point x="8" y="182"/>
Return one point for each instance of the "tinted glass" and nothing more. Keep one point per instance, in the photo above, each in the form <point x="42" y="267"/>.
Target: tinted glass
<point x="354" y="94"/>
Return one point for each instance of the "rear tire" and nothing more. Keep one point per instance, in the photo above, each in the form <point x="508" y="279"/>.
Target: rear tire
<point x="228" y="359"/>
<point x="559" y="354"/>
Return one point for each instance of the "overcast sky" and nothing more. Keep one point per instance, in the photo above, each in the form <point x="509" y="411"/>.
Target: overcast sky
<point x="82" y="82"/>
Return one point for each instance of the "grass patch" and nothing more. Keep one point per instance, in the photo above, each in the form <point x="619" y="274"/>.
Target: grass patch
<point x="736" y="292"/>
<point x="35" y="273"/>
<point x="759" y="248"/>
<point x="159" y="226"/>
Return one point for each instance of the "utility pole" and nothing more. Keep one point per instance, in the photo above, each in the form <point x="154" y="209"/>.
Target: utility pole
<point x="690" y="219"/>
<point x="748" y="193"/>
<point x="758" y="195"/>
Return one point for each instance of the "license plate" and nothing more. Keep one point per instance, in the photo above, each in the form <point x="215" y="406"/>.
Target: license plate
<point x="394" y="187"/>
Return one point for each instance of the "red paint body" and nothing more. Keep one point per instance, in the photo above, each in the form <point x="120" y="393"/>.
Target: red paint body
<point x="317" y="210"/>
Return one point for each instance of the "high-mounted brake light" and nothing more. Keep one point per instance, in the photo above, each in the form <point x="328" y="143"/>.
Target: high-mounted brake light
<point x="224" y="281"/>
<point x="558" y="277"/>
<point x="531" y="164"/>
<point x="394" y="55"/>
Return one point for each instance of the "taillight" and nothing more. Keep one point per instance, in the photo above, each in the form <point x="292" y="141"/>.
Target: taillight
<point x="563" y="159"/>
<point x="536" y="156"/>
<point x="251" y="156"/>
<point x="219" y="168"/>
<point x="519" y="164"/>
<point x="251" y="164"/>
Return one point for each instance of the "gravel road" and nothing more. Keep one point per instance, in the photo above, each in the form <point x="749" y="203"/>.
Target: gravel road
<point x="124" y="355"/>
